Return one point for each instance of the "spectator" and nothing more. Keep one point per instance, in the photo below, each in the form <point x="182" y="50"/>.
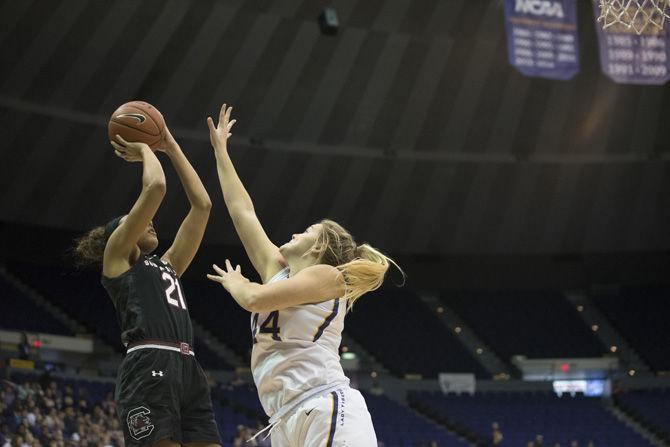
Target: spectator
<point x="574" y="443"/>
<point x="115" y="431"/>
<point x="496" y="434"/>
<point x="24" y="347"/>
<point x="108" y="404"/>
<point x="35" y="416"/>
<point x="237" y="380"/>
<point x="239" y="437"/>
<point x="539" y="441"/>
<point x="376" y="389"/>
<point x="244" y="434"/>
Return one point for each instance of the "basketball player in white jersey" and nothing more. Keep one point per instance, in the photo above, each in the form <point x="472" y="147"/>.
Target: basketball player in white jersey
<point x="308" y="284"/>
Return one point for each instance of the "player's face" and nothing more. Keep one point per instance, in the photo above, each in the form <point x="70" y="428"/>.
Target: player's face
<point x="301" y="243"/>
<point x="149" y="240"/>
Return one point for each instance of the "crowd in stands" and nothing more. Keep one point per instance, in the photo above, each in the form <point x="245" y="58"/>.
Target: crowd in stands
<point x="54" y="412"/>
<point x="46" y="413"/>
<point x="50" y="413"/>
<point x="42" y="414"/>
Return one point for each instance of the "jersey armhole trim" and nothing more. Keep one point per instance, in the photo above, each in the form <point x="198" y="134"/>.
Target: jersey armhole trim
<point x="278" y="276"/>
<point x="327" y="321"/>
<point x="127" y="272"/>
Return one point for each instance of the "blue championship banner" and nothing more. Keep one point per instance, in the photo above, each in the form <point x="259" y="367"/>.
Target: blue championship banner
<point x="542" y="37"/>
<point x="627" y="58"/>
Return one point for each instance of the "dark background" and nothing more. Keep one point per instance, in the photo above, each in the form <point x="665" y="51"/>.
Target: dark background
<point x="409" y="127"/>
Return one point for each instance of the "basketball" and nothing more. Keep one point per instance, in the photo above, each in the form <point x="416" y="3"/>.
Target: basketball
<point x="137" y="121"/>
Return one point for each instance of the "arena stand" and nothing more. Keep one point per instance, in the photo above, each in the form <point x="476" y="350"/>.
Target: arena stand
<point x="396" y="327"/>
<point x="537" y="324"/>
<point x="395" y="424"/>
<point x="523" y="416"/>
<point x="640" y="314"/>
<point x="381" y="322"/>
<point x="21" y="306"/>
<point x="78" y="293"/>
<point x="650" y="407"/>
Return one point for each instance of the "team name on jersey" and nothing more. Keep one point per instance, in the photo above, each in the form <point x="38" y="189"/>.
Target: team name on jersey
<point x="163" y="268"/>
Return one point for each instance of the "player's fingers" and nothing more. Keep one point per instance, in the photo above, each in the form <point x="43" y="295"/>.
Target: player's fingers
<point x="218" y="269"/>
<point x="237" y="268"/>
<point x="230" y="109"/>
<point x="122" y="153"/>
<point x="210" y="124"/>
<point x="229" y="266"/>
<point x="231" y="124"/>
<point x="215" y="278"/>
<point x="120" y="139"/>
<point x="222" y="113"/>
<point x="119" y="154"/>
<point x="117" y="146"/>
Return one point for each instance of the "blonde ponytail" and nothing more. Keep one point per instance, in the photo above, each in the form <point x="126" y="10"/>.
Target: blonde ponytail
<point x="363" y="266"/>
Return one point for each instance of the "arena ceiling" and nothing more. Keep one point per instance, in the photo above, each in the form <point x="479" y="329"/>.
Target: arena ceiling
<point x="408" y="126"/>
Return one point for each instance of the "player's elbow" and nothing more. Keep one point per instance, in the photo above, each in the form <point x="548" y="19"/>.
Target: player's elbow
<point x="204" y="204"/>
<point x="257" y="302"/>
<point x="207" y="204"/>
<point x="157" y="187"/>
<point x="252" y="303"/>
<point x="240" y="209"/>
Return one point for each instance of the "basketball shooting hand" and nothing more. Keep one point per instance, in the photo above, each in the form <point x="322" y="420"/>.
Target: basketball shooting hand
<point x="218" y="135"/>
<point x="231" y="279"/>
<point x="129" y="151"/>
<point x="168" y="143"/>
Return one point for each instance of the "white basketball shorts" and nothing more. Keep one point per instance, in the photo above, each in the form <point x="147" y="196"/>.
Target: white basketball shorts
<point x="336" y="419"/>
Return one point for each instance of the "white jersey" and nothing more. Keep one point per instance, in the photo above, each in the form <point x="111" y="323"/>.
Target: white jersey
<point x="295" y="352"/>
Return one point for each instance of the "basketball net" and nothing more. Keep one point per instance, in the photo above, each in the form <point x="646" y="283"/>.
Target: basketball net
<point x="635" y="15"/>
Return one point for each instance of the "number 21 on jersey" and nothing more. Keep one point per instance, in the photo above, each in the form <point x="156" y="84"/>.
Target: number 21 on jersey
<point x="172" y="286"/>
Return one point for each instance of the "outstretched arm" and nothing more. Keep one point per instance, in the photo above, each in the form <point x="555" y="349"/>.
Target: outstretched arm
<point x="311" y="285"/>
<point x="263" y="254"/>
<point x="123" y="240"/>
<point x="192" y="229"/>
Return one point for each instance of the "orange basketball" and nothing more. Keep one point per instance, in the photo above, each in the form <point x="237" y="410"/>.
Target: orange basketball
<point x="137" y="121"/>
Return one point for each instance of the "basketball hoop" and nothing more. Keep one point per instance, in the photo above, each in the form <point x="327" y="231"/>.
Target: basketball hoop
<point x="636" y="15"/>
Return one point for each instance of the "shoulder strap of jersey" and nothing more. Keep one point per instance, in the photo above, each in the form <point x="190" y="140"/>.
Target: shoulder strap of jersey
<point x="280" y="275"/>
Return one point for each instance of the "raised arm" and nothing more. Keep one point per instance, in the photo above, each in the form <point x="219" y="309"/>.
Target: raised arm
<point x="192" y="229"/>
<point x="263" y="254"/>
<point x="123" y="241"/>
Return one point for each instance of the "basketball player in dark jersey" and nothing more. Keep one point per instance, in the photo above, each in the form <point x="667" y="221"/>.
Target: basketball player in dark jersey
<point x="162" y="394"/>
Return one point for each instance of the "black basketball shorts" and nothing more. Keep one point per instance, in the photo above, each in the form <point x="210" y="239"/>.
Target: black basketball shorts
<point x="164" y="394"/>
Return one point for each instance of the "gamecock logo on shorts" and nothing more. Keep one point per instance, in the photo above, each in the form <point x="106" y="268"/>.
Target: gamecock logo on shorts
<point x="139" y="423"/>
